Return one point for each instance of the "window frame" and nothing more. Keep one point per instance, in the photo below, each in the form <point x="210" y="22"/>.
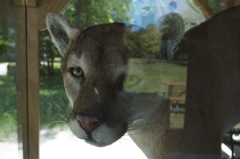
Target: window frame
<point x="30" y="15"/>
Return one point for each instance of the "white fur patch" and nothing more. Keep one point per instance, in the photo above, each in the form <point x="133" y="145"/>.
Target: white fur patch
<point x="83" y="64"/>
<point x="70" y="100"/>
<point x="77" y="130"/>
<point x="104" y="135"/>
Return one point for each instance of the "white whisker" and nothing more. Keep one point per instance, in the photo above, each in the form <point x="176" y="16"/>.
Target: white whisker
<point x="55" y="122"/>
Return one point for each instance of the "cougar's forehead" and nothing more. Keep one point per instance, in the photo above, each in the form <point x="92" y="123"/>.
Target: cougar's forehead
<point x="95" y="57"/>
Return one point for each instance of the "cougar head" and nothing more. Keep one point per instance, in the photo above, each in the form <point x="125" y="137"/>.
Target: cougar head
<point x="95" y="64"/>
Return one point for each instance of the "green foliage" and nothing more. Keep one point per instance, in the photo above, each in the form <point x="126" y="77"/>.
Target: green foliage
<point x="86" y="13"/>
<point x="144" y="42"/>
<point x="53" y="100"/>
<point x="6" y="43"/>
<point x="215" y="5"/>
<point x="151" y="41"/>
<point x="8" y="93"/>
<point x="8" y="124"/>
<point x="8" y="108"/>
<point x="47" y="54"/>
<point x="54" y="107"/>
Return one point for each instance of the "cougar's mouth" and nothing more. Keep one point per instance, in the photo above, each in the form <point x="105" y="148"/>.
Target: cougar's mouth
<point x="95" y="132"/>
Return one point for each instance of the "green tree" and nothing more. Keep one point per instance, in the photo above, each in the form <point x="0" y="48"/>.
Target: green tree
<point x="87" y="13"/>
<point x="143" y="42"/>
<point x="6" y="43"/>
<point x="47" y="54"/>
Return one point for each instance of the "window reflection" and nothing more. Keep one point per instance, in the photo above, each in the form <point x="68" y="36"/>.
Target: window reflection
<point x="147" y="70"/>
<point x="151" y="69"/>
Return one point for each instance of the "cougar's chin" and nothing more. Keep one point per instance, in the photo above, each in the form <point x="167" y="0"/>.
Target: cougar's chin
<point x="103" y="135"/>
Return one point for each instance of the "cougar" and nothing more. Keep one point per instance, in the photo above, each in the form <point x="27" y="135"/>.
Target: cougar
<point x="95" y="66"/>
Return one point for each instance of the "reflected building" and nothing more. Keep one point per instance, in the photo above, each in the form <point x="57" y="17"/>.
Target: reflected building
<point x="145" y="12"/>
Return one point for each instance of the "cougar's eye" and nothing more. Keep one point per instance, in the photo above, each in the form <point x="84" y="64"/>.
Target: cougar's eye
<point x="76" y="72"/>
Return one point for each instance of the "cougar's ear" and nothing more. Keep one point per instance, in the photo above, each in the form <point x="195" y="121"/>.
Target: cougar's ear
<point x="61" y="30"/>
<point x="172" y="30"/>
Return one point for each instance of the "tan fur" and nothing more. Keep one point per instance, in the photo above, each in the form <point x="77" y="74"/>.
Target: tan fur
<point x="213" y="88"/>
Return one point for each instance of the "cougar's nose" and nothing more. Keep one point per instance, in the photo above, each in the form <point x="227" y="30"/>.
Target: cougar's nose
<point x="88" y="122"/>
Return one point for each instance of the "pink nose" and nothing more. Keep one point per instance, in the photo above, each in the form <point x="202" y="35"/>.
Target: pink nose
<point x="88" y="123"/>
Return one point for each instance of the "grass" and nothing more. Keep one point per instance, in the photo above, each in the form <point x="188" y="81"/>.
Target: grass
<point x="176" y="119"/>
<point x="53" y="101"/>
<point x="148" y="77"/>
<point x="8" y="113"/>
<point x="142" y="77"/>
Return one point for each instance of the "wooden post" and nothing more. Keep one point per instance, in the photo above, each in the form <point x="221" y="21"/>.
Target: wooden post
<point x="20" y="3"/>
<point x="33" y="82"/>
<point x="36" y="15"/>
<point x="46" y="6"/>
<point x="31" y="18"/>
<point x="21" y="78"/>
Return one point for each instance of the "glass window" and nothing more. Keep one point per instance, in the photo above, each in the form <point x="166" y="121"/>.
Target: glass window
<point x="179" y="62"/>
<point x="12" y="85"/>
<point x="171" y="51"/>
